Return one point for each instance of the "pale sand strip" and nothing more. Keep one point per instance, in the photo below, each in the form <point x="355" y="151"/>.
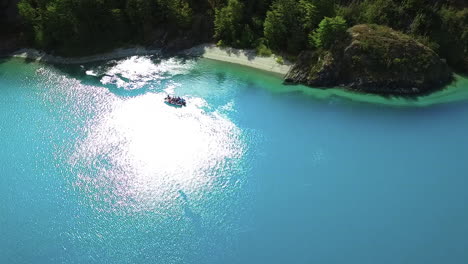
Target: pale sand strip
<point x="210" y="51"/>
<point x="237" y="56"/>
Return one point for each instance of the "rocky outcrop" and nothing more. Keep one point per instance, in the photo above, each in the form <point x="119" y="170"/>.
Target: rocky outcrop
<point x="373" y="59"/>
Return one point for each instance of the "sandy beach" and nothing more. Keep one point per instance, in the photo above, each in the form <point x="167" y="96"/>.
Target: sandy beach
<point x="210" y="51"/>
<point x="242" y="57"/>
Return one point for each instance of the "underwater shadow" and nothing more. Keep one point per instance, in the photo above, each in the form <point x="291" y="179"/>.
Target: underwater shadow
<point x="2" y="61"/>
<point x="195" y="218"/>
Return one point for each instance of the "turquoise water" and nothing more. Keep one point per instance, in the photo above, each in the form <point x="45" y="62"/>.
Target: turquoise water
<point x="95" y="168"/>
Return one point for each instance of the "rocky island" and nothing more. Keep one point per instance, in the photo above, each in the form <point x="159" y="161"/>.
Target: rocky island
<point x="373" y="59"/>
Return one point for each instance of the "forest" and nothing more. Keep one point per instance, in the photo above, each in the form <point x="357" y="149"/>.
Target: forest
<point x="76" y="27"/>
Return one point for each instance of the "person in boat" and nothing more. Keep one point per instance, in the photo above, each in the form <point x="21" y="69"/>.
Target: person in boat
<point x="175" y="100"/>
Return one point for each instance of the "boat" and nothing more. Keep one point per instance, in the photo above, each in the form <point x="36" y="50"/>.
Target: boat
<point x="175" y="101"/>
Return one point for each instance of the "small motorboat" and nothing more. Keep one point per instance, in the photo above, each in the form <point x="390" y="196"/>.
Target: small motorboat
<point x="175" y="101"/>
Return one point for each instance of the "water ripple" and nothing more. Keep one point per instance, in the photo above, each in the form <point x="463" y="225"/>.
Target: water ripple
<point x="143" y="151"/>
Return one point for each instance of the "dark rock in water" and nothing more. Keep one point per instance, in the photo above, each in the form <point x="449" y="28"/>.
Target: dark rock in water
<point x="373" y="59"/>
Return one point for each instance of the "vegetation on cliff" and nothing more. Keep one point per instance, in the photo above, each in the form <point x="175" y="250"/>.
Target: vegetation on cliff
<point x="88" y="26"/>
<point x="375" y="59"/>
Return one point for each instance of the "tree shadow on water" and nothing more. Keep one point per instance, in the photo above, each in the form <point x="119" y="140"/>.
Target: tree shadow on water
<point x="2" y="61"/>
<point x="221" y="77"/>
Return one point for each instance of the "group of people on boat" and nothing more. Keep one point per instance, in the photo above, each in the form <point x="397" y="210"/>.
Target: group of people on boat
<point x="175" y="100"/>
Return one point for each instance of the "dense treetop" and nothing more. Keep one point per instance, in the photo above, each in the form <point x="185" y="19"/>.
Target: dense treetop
<point x="74" y="27"/>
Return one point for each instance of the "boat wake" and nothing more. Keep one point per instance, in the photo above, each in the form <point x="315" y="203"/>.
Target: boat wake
<point x="140" y="71"/>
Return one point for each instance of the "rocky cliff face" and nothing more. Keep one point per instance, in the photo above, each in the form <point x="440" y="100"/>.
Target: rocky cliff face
<point x="373" y="59"/>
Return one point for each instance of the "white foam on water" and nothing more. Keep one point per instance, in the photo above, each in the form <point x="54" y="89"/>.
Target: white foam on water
<point x="229" y="107"/>
<point x="137" y="71"/>
<point x="170" y="89"/>
<point x="91" y="73"/>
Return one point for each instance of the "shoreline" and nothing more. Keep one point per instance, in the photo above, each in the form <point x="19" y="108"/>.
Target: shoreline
<point x="209" y="51"/>
<point x="41" y="56"/>
<point x="454" y="92"/>
<point x="247" y="58"/>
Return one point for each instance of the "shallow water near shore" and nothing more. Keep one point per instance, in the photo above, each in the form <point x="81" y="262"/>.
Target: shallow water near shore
<point x="96" y="168"/>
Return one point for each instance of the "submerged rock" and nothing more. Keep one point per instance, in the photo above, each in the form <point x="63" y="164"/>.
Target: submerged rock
<point x="373" y="59"/>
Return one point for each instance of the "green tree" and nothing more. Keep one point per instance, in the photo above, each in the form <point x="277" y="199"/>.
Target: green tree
<point x="382" y="12"/>
<point x="453" y="37"/>
<point x="275" y="26"/>
<point x="288" y="22"/>
<point x="310" y="15"/>
<point x="326" y="8"/>
<point x="76" y="27"/>
<point x="227" y="22"/>
<point x="247" y="37"/>
<point x="33" y="19"/>
<point x="215" y="4"/>
<point x="182" y="12"/>
<point x="329" y="31"/>
<point x="284" y="25"/>
<point x="141" y="18"/>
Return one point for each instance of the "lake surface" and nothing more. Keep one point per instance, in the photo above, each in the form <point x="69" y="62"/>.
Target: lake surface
<point x="96" y="168"/>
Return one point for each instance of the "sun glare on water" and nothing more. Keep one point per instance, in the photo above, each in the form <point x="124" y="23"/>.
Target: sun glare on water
<point x="141" y="153"/>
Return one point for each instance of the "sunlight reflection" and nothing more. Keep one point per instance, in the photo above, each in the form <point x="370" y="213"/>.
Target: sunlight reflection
<point x="144" y="151"/>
